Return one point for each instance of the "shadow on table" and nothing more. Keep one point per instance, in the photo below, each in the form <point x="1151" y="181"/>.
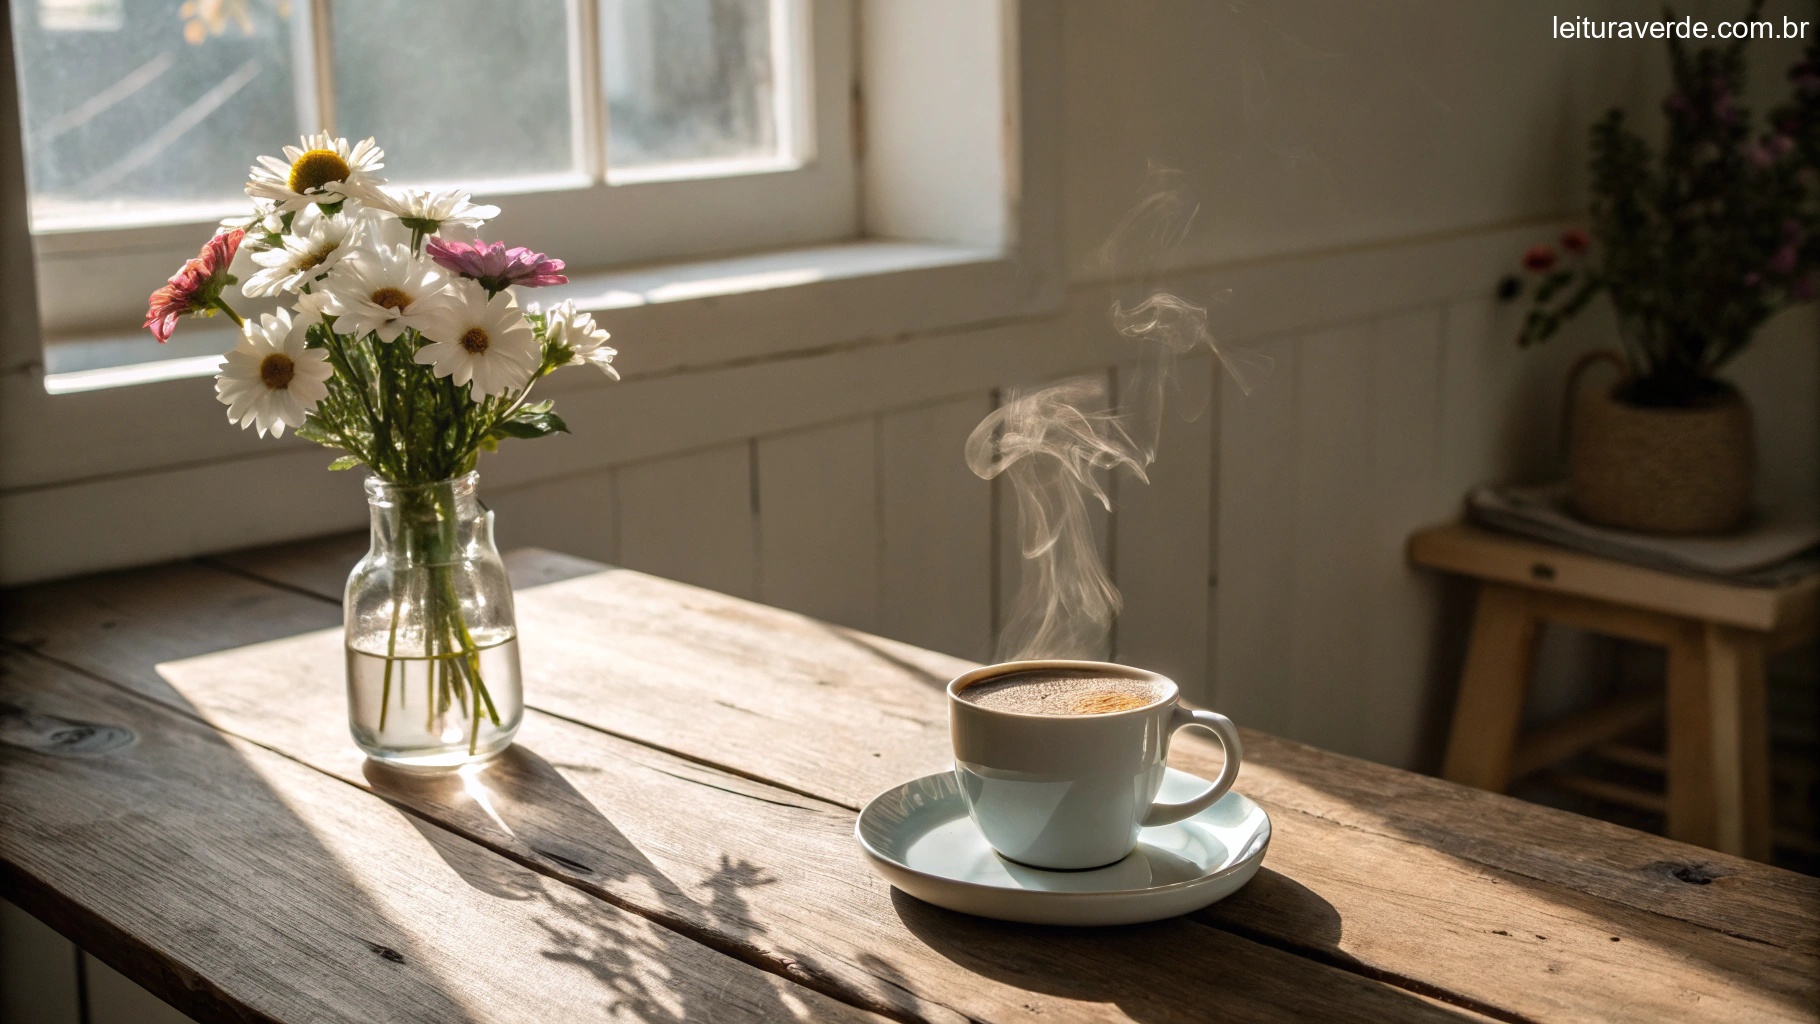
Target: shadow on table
<point x="1622" y="884"/>
<point x="563" y="850"/>
<point x="523" y="804"/>
<point x="1179" y="970"/>
<point x="1294" y="907"/>
<point x="116" y="761"/>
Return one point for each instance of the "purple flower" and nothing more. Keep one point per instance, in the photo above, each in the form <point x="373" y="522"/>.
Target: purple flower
<point x="1752" y="279"/>
<point x="496" y="266"/>
<point x="1725" y="108"/>
<point x="1803" y="288"/>
<point x="1805" y="78"/>
<point x="1782" y="263"/>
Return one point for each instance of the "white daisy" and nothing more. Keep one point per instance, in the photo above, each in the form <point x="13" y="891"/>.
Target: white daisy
<point x="475" y="338"/>
<point x="316" y="244"/>
<point x="264" y="220"/>
<point x="586" y="341"/>
<point x="431" y="210"/>
<point x="325" y="170"/>
<point x="270" y="379"/>
<point x="383" y="290"/>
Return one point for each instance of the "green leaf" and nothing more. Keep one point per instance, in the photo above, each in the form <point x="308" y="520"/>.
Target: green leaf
<point x="528" y="422"/>
<point x="312" y="431"/>
<point x="345" y="462"/>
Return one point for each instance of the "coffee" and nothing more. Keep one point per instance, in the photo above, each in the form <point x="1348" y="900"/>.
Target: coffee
<point x="1058" y="692"/>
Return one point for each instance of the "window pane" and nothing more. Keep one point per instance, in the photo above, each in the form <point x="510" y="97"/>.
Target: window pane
<point x="457" y="91"/>
<point x="149" y="108"/>
<point x="693" y="80"/>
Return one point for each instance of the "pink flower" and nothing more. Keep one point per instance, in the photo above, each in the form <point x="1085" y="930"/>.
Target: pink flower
<point x="496" y="266"/>
<point x="194" y="287"/>
<point x="1539" y="258"/>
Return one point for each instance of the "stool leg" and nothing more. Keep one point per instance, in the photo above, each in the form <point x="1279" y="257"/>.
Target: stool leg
<point x="1493" y="685"/>
<point x="1718" y="743"/>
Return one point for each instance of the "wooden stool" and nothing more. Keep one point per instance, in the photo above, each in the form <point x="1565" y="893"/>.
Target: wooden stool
<point x="1717" y="636"/>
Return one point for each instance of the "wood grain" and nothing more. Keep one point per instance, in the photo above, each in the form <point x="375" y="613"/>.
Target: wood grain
<point x="239" y="885"/>
<point x="796" y="697"/>
<point x="1765" y="904"/>
<point x="1486" y="555"/>
<point x="768" y="876"/>
<point x="1488" y="713"/>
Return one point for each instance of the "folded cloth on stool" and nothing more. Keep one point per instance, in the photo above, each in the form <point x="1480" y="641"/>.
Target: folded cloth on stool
<point x="1777" y="545"/>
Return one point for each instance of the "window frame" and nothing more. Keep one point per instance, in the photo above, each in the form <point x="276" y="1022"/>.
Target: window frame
<point x="92" y="282"/>
<point x="151" y="471"/>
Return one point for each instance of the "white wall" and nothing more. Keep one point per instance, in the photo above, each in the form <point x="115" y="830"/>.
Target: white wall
<point x="1367" y="171"/>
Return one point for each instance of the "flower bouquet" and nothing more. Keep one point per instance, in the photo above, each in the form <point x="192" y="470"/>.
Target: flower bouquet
<point x="398" y="340"/>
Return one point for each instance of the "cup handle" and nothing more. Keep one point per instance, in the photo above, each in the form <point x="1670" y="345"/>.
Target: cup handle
<point x="1228" y="735"/>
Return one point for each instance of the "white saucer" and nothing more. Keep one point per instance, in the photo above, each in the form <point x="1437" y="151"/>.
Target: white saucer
<point x="919" y="837"/>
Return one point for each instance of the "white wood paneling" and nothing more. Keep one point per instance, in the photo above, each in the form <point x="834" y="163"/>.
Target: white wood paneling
<point x="37" y="971"/>
<point x="1162" y="544"/>
<point x="935" y="569"/>
<point x="1405" y="491"/>
<point x="818" y="522"/>
<point x="1780" y="375"/>
<point x="1484" y="417"/>
<point x="689" y="518"/>
<point x="1332" y="530"/>
<point x="1256" y="546"/>
<point x="574" y="515"/>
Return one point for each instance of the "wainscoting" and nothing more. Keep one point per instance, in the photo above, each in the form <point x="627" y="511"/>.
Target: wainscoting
<point x="1263" y="566"/>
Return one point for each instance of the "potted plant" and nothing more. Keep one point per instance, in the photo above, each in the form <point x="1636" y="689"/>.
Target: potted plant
<point x="1695" y="246"/>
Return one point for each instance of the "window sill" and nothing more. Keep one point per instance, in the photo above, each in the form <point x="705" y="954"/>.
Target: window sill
<point x="692" y="314"/>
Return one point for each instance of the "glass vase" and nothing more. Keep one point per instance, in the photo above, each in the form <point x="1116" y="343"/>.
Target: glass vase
<point x="432" y="642"/>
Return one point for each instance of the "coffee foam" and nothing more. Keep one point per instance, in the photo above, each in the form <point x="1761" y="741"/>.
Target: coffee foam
<point x="1063" y="692"/>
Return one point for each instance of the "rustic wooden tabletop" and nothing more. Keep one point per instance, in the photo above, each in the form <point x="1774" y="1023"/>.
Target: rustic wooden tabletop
<point x="671" y="839"/>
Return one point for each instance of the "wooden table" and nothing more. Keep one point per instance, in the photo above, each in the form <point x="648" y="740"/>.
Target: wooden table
<point x="671" y="839"/>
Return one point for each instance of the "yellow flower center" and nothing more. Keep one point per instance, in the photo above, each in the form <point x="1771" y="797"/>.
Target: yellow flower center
<point x="312" y="260"/>
<point x="475" y="340"/>
<point x="276" y="370"/>
<point x="391" y="298"/>
<point x="317" y="168"/>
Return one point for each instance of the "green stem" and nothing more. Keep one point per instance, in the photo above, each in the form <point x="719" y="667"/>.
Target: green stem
<point x="339" y="357"/>
<point x="219" y="303"/>
<point x="391" y="651"/>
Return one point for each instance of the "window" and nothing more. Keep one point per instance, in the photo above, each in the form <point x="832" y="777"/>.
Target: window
<point x="626" y="130"/>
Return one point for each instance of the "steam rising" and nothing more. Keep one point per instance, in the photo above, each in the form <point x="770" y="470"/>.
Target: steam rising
<point x="1058" y="444"/>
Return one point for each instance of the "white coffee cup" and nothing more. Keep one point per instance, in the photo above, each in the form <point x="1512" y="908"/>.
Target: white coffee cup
<point x="1070" y="792"/>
